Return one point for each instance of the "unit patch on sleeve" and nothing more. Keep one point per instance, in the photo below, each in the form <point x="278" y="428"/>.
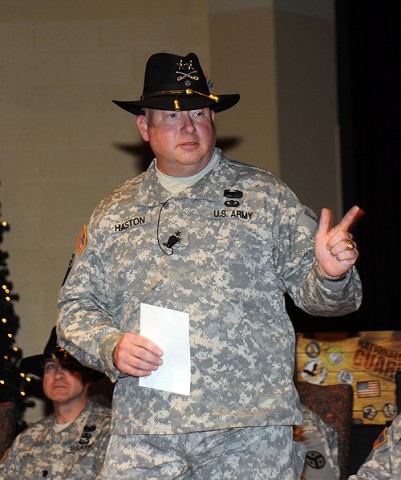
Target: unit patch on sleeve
<point x="81" y="241"/>
<point x="381" y="439"/>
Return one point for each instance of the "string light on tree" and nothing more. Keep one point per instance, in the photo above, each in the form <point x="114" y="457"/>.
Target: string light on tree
<point x="14" y="384"/>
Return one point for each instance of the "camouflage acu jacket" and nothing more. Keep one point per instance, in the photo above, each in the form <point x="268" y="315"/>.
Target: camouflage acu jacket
<point x="245" y="240"/>
<point x="74" y="453"/>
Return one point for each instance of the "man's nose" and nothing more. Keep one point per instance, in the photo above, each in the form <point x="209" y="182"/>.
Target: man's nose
<point x="59" y="372"/>
<point x="187" y="122"/>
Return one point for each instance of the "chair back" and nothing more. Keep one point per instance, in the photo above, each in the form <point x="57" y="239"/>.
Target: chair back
<point x="8" y="425"/>
<point x="398" y="390"/>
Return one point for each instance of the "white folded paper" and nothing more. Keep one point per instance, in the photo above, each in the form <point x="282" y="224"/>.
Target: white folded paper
<point x="169" y="330"/>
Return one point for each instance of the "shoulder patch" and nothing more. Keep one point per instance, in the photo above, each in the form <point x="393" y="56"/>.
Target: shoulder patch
<point x="381" y="439"/>
<point x="5" y="454"/>
<point x="81" y="241"/>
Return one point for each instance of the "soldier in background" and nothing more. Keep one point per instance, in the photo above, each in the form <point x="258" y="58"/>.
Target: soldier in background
<point x="320" y="440"/>
<point x="71" y="442"/>
<point x="384" y="461"/>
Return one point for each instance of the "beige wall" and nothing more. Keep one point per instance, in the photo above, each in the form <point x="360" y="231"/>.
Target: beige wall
<point x="307" y="101"/>
<point x="64" y="145"/>
<point x="243" y="61"/>
<point x="280" y="55"/>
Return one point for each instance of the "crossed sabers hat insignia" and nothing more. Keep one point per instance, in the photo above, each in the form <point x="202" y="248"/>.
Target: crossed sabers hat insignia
<point x="183" y="75"/>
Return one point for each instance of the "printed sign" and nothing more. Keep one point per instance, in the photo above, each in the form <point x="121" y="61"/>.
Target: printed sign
<point x="368" y="361"/>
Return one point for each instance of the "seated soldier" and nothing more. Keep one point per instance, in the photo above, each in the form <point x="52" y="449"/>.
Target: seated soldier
<point x="71" y="442"/>
<point x="320" y="440"/>
<point x="384" y="461"/>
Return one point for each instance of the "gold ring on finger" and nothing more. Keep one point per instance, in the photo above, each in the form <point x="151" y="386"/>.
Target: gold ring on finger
<point x="349" y="244"/>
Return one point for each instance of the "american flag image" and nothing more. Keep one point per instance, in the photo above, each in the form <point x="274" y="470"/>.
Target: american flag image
<point x="370" y="388"/>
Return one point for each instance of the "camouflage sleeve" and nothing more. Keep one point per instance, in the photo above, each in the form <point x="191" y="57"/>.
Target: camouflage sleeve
<point x="85" y="323"/>
<point x="384" y="461"/>
<point x="296" y="262"/>
<point x="375" y="467"/>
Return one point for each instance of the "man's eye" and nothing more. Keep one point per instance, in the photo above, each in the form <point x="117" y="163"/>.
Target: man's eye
<point x="172" y="115"/>
<point x="50" y="368"/>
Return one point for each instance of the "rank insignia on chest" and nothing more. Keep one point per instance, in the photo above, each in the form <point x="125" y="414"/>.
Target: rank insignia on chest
<point x="230" y="193"/>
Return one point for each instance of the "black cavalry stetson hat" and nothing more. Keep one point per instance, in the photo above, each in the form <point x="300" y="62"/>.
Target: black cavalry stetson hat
<point x="176" y="83"/>
<point x="35" y="363"/>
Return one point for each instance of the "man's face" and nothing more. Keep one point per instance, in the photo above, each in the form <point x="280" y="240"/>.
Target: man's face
<point x="183" y="142"/>
<point x="61" y="385"/>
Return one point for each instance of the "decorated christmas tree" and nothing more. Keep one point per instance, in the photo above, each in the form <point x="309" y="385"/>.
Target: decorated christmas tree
<point x="14" y="384"/>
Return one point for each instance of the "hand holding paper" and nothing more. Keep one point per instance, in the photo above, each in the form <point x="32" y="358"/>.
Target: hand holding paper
<point x="137" y="356"/>
<point x="170" y="330"/>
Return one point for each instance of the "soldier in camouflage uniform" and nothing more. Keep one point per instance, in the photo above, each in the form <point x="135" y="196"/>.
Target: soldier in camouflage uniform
<point x="320" y="440"/>
<point x="71" y="443"/>
<point x="384" y="461"/>
<point x="222" y="241"/>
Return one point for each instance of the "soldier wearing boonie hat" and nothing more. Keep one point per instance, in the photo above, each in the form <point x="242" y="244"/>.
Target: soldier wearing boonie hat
<point x="70" y="443"/>
<point x="222" y="242"/>
<point x="35" y="364"/>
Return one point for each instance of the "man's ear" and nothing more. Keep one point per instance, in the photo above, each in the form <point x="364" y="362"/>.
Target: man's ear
<point x="142" y="124"/>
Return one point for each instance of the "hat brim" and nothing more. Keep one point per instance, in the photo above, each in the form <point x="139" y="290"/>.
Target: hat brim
<point x="187" y="102"/>
<point x="35" y="363"/>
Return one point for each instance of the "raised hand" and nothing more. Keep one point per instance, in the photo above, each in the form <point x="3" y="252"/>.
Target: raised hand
<point x="335" y="249"/>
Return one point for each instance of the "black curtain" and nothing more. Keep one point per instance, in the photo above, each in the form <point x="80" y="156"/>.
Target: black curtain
<point x="369" y="92"/>
<point x="368" y="37"/>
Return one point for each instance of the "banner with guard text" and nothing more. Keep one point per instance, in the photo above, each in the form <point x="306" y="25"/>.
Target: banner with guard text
<point x="368" y="361"/>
